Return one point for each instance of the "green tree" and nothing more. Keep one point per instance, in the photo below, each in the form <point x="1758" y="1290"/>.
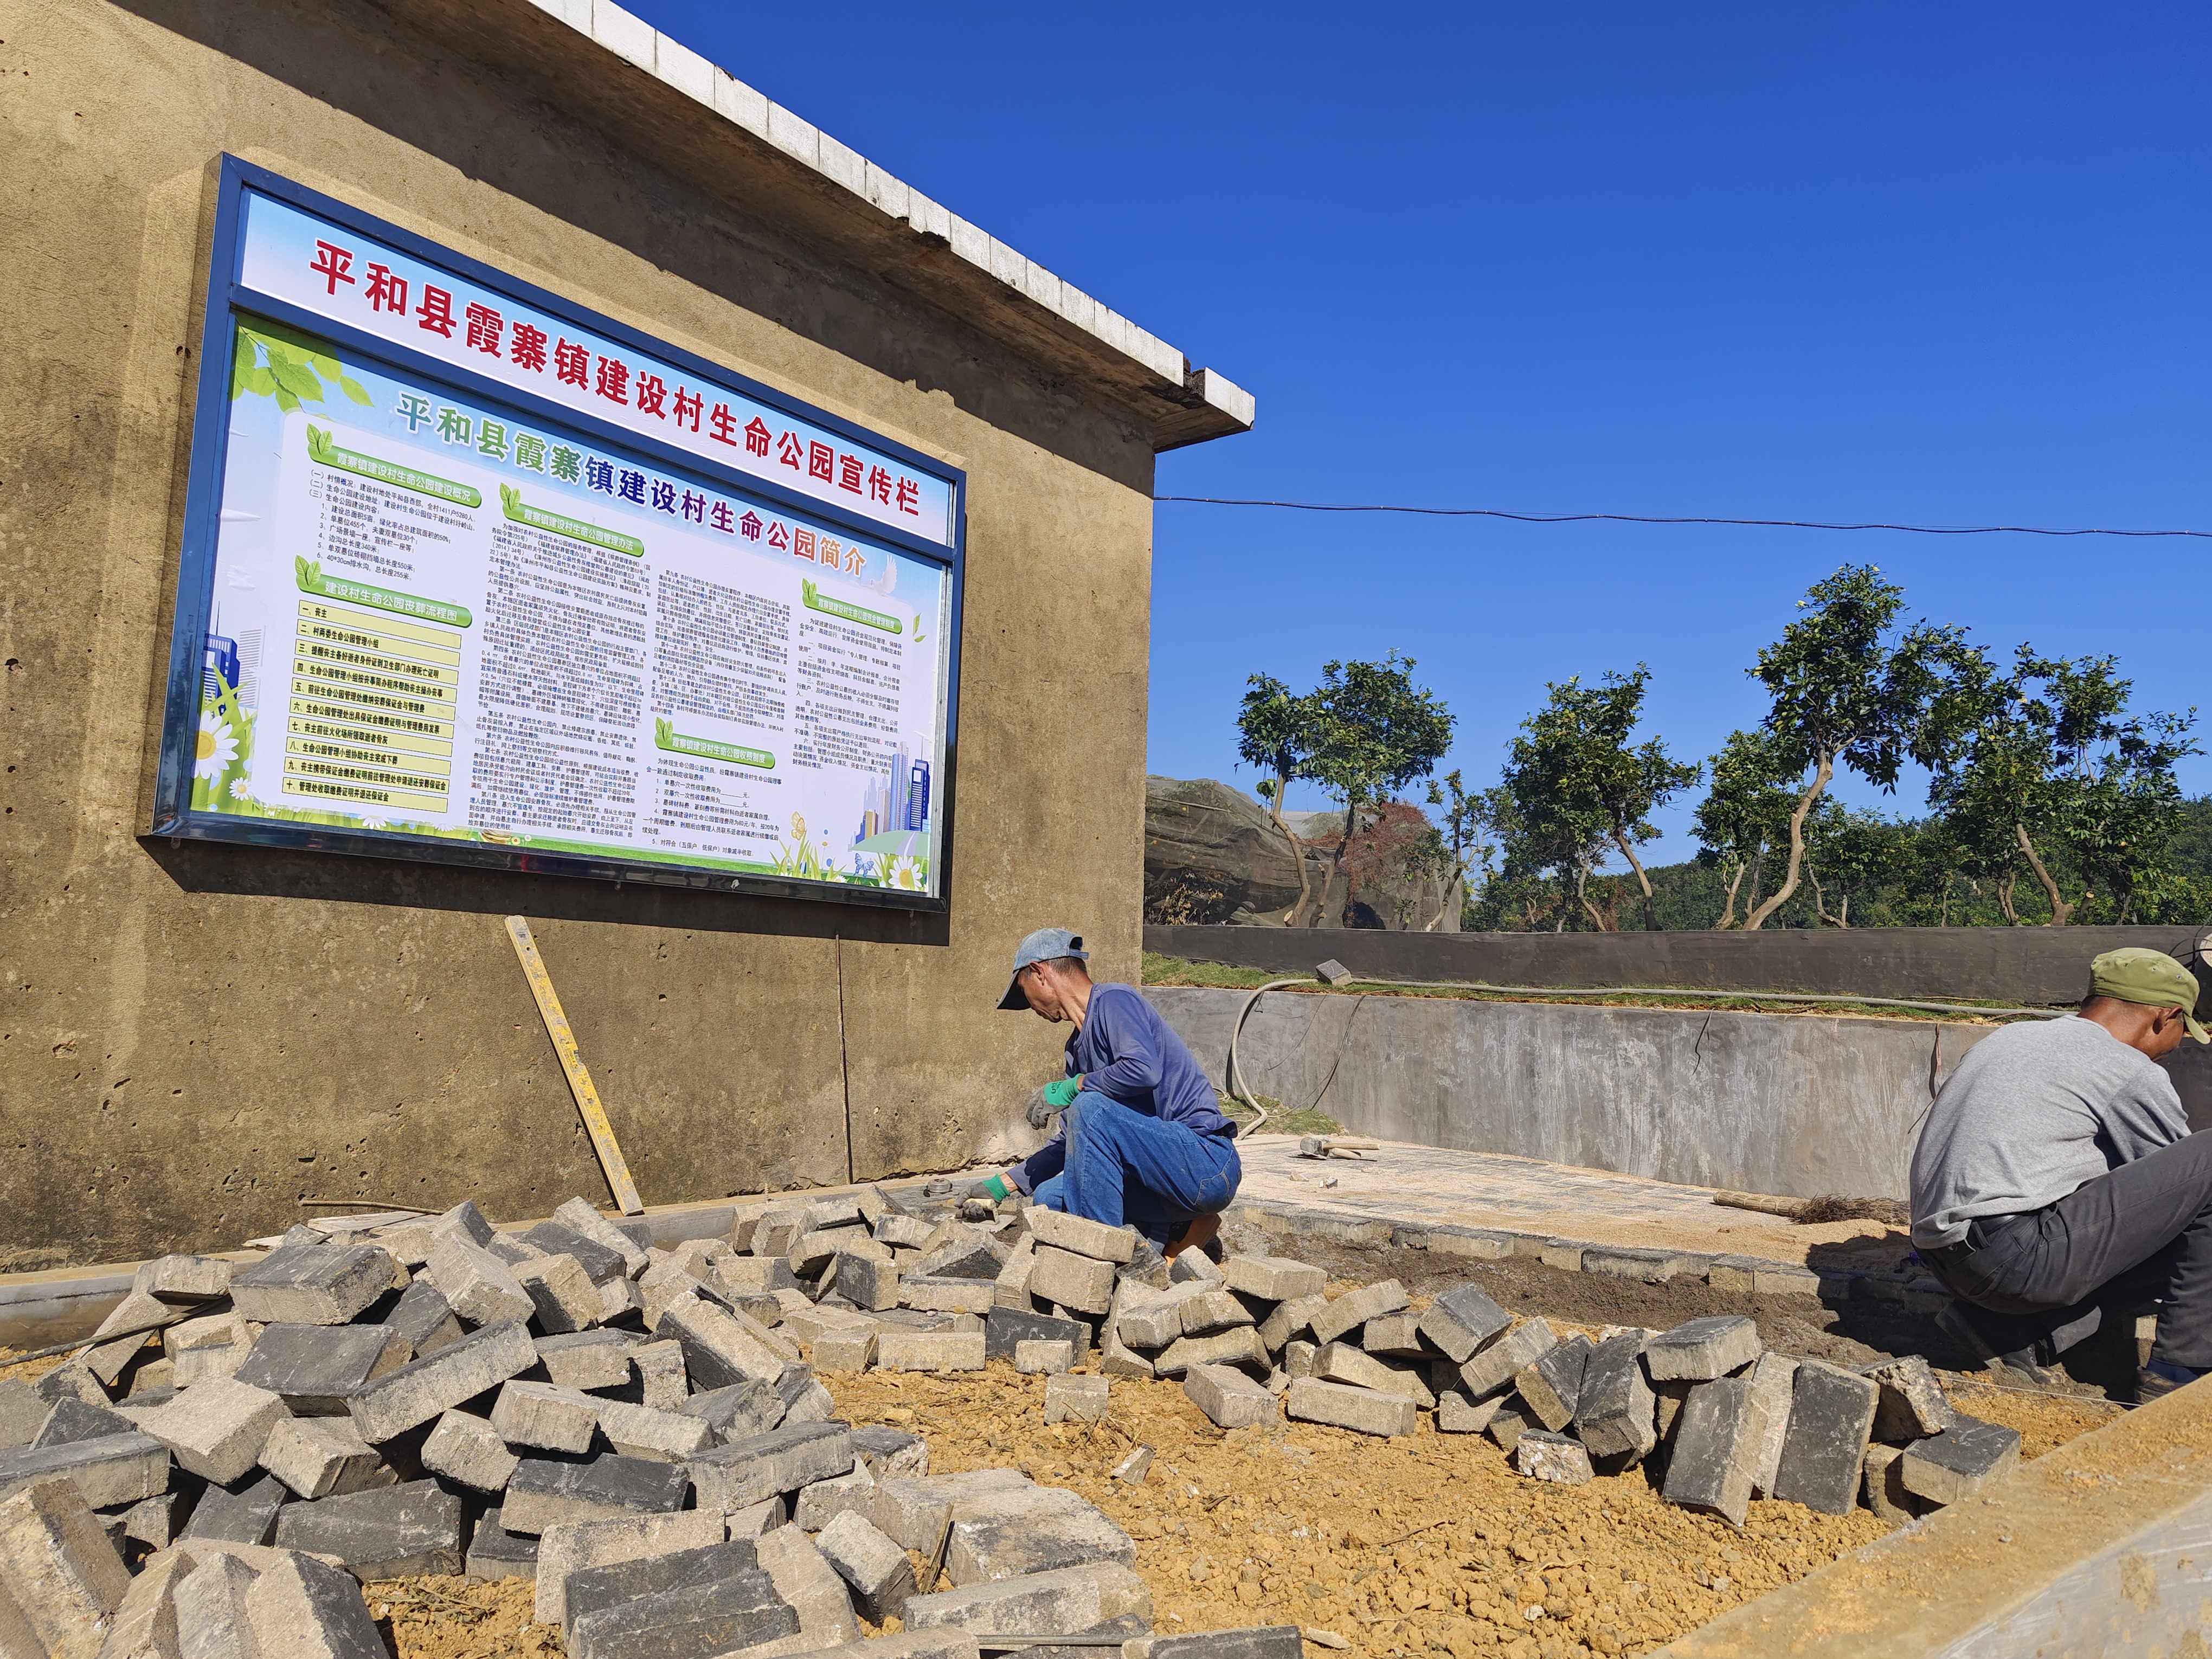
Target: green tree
<point x="1848" y="851"/>
<point x="1467" y="840"/>
<point x="1575" y="773"/>
<point x="1375" y="732"/>
<point x="1275" y="732"/>
<point x="1850" y="688"/>
<point x="1744" y="814"/>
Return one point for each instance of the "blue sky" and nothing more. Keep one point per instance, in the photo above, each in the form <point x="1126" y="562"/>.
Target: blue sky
<point x="1931" y="264"/>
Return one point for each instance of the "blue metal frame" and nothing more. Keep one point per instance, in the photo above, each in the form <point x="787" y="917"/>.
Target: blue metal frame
<point x="227" y="297"/>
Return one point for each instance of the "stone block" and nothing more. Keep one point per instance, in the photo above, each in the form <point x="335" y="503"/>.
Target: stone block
<point x="1911" y="1406"/>
<point x="71" y="1379"/>
<point x="106" y="1470"/>
<point x="1490" y="1370"/>
<point x="816" y="1249"/>
<point x="877" y="1570"/>
<point x="1288" y="1319"/>
<point x="909" y="1645"/>
<point x="212" y="1620"/>
<point x="470" y="1450"/>
<point x="561" y="1293"/>
<point x="1298" y="1359"/>
<point x="579" y="1216"/>
<point x="810" y="1586"/>
<point x="425" y="1318"/>
<point x="216" y="1429"/>
<point x="156" y="1522"/>
<point x="1508" y="1422"/>
<point x="929" y="1351"/>
<point x="737" y="1413"/>
<point x="1824" y="1451"/>
<point x="1882" y="1486"/>
<point x="1543" y="1456"/>
<point x="214" y="1345"/>
<point x="1272" y="1278"/>
<point x="865" y="1282"/>
<point x="1773" y="1378"/>
<point x="1458" y="1414"/>
<point x="1310" y="1399"/>
<point x="752" y="1275"/>
<point x="571" y="1547"/>
<point x="1339" y="1362"/>
<point x="844" y="1352"/>
<point x="663" y="1381"/>
<point x="810" y="1325"/>
<point x="1258" y="1641"/>
<point x="542" y="1494"/>
<point x="1715" y="1446"/>
<point x="1014" y="1531"/>
<point x="312" y="1284"/>
<point x="1145" y="1318"/>
<point x="184" y="1278"/>
<point x="1213" y="1309"/>
<point x="316" y="1368"/>
<point x="464" y="1221"/>
<point x="23" y="1411"/>
<point x="1079" y="1236"/>
<point x="778" y="1230"/>
<point x="585" y="1360"/>
<point x="914" y="1511"/>
<point x="840" y="1210"/>
<point x="1350" y="1311"/>
<point x="495" y="1552"/>
<point x="302" y="1607"/>
<point x="1194" y="1267"/>
<point x="243" y="1512"/>
<point x="1115" y="1357"/>
<point x="757" y="1519"/>
<point x="1135" y="1466"/>
<point x="58" y="1571"/>
<point x="890" y="1452"/>
<point x="1615" y="1414"/>
<point x="70" y="1419"/>
<point x="145" y="1626"/>
<point x="745" y="1472"/>
<point x="1033" y="1358"/>
<point x="717" y="1351"/>
<point x="966" y="1256"/>
<point x="323" y="1457"/>
<point x="1551" y="1386"/>
<point x="1397" y="1334"/>
<point x="1240" y="1346"/>
<point x="1231" y="1399"/>
<point x="1011" y="1289"/>
<point x="1961" y="1462"/>
<point x="820" y="1504"/>
<point x="1082" y="1282"/>
<point x="540" y="1415"/>
<point x="641" y="1431"/>
<point x="387" y="1532"/>
<point x="480" y="1288"/>
<point x="618" y="1584"/>
<point x="1066" y="1602"/>
<point x="1702" y="1349"/>
<point x="906" y="1232"/>
<point x="600" y="1262"/>
<point x="106" y="1360"/>
<point x="1069" y="1398"/>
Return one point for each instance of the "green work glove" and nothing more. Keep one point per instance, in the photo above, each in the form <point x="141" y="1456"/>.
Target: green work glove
<point x="1062" y="1092"/>
<point x="995" y="1188"/>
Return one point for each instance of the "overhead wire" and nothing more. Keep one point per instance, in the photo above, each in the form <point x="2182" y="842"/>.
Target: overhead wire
<point x="1653" y="518"/>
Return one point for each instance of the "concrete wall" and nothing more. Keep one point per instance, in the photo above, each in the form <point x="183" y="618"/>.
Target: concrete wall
<point x="2032" y="966"/>
<point x="1795" y="1104"/>
<point x="195" y="1038"/>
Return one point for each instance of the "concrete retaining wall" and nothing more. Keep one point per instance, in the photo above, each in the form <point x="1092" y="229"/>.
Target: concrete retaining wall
<point x="2035" y="966"/>
<point x="1795" y="1104"/>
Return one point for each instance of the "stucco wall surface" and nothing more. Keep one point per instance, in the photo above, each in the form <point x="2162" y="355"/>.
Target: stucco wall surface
<point x="1795" y="1104"/>
<point x="194" y="1037"/>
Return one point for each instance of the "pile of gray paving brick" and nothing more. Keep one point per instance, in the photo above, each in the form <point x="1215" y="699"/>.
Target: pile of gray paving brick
<point x="640" y="1430"/>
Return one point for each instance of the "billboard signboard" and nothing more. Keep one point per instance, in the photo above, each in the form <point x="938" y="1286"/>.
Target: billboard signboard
<point x="472" y="574"/>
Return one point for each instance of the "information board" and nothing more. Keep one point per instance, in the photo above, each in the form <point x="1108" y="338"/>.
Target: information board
<point x="472" y="575"/>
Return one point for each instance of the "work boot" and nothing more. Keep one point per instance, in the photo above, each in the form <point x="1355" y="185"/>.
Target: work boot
<point x="2031" y="1367"/>
<point x="2160" y="1378"/>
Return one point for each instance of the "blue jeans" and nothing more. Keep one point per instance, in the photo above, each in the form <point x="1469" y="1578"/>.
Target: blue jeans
<point x="1127" y="1168"/>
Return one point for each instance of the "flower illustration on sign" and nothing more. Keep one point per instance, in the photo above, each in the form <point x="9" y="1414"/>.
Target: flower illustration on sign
<point x="217" y="747"/>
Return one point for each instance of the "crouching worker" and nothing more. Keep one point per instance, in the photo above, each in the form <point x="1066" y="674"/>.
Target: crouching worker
<point x="2056" y="1184"/>
<point x="1142" y="1141"/>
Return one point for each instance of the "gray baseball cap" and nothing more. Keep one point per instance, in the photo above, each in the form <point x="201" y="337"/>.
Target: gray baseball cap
<point x="1046" y="945"/>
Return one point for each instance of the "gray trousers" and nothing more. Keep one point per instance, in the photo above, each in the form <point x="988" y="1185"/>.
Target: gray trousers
<point x="2141" y="1232"/>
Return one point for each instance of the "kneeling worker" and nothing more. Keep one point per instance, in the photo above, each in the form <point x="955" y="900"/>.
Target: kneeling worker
<point x="1142" y="1142"/>
<point x="2057" y="1180"/>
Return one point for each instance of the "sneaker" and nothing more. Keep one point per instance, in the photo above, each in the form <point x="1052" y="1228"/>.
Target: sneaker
<point x="2160" y="1378"/>
<point x="2019" y="1367"/>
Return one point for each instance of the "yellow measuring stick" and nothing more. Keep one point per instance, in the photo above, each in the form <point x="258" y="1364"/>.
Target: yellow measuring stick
<point x="580" y="1080"/>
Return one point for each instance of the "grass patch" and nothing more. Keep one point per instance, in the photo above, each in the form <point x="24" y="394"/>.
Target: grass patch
<point x="1175" y="970"/>
<point x="1305" y="1121"/>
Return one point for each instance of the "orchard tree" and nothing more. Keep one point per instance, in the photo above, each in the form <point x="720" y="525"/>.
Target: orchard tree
<point x="1467" y="839"/>
<point x="1850" y="688"/>
<point x="1275" y="732"/>
<point x="1577" y="768"/>
<point x="1374" y="733"/>
<point x="1744" y="814"/>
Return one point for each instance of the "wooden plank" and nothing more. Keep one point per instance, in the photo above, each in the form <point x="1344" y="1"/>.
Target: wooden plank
<point x="580" y="1080"/>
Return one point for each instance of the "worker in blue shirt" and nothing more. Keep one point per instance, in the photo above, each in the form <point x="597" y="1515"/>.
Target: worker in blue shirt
<point x="1142" y="1142"/>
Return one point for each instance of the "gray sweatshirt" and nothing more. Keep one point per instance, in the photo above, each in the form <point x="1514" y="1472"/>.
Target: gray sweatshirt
<point x="2033" y="1111"/>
